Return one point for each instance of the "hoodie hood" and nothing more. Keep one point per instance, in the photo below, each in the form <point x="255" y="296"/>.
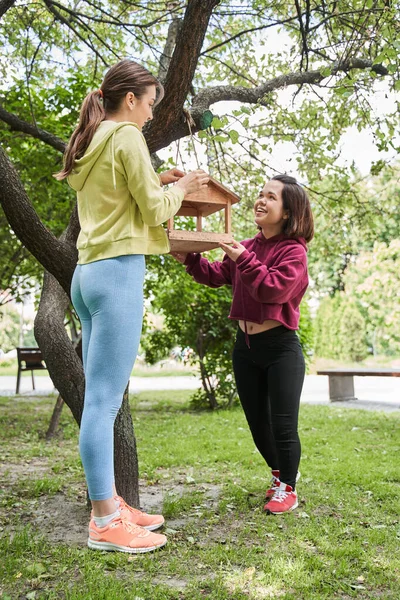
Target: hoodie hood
<point x="105" y="132"/>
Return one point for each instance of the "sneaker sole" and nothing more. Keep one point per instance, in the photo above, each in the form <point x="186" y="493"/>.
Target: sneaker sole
<point x="271" y="512"/>
<point x="93" y="545"/>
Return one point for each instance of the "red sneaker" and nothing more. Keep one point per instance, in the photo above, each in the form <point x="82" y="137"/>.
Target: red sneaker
<point x="283" y="500"/>
<point x="274" y="484"/>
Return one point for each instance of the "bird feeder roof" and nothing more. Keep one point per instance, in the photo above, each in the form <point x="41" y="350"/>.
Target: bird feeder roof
<point x="210" y="199"/>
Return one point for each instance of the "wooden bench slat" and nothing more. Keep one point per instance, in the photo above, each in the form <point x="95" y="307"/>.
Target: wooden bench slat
<point x="361" y="372"/>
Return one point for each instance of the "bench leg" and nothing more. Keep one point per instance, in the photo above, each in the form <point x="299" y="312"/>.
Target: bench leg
<point x="341" y="388"/>
<point x="33" y="381"/>
<point x="18" y="381"/>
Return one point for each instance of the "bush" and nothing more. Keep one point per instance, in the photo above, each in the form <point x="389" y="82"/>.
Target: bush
<point x="306" y="332"/>
<point x="9" y="328"/>
<point x="340" y="330"/>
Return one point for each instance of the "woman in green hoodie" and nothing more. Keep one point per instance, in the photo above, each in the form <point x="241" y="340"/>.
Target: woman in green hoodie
<point x="121" y="205"/>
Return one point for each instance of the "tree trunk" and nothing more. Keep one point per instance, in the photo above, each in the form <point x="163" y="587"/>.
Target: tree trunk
<point x="55" y="419"/>
<point x="66" y="371"/>
<point x="208" y="388"/>
<point x="125" y="455"/>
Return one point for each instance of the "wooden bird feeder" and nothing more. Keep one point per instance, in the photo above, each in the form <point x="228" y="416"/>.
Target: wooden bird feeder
<point x="210" y="199"/>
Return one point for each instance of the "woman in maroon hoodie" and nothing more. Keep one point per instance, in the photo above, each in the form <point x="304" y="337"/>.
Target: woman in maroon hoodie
<point x="268" y="275"/>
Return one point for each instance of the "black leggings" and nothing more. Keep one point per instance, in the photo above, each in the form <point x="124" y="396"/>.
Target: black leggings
<point x="269" y="378"/>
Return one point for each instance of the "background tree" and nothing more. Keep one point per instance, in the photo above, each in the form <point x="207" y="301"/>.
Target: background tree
<point x="374" y="282"/>
<point x="52" y="53"/>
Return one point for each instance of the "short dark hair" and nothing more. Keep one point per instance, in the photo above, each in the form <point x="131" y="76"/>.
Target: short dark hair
<point x="300" y="222"/>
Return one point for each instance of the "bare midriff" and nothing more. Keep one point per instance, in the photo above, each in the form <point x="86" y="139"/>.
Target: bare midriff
<point x="258" y="327"/>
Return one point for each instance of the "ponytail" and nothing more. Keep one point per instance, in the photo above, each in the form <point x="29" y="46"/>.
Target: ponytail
<point x="91" y="115"/>
<point x="126" y="76"/>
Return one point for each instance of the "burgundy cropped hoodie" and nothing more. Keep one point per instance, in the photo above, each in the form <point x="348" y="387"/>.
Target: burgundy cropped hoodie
<point x="268" y="279"/>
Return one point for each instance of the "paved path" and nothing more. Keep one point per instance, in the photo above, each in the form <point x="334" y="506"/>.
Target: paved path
<point x="373" y="393"/>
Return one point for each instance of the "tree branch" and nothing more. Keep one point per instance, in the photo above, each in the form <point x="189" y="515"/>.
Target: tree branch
<point x="208" y="96"/>
<point x="166" y="56"/>
<point x="181" y="70"/>
<point x="158" y="136"/>
<point x="17" y="124"/>
<point x="234" y="37"/>
<point x="5" y="5"/>
<point x="59" y="17"/>
<point x="58" y="257"/>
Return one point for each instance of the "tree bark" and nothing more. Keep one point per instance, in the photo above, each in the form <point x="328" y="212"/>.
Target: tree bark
<point x="5" y="5"/>
<point x="55" y="419"/>
<point x="179" y="77"/>
<point x="125" y="455"/>
<point x="57" y="256"/>
<point x="17" y="124"/>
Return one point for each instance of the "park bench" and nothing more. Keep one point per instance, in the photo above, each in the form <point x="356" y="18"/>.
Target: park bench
<point x="29" y="359"/>
<point x="341" y="381"/>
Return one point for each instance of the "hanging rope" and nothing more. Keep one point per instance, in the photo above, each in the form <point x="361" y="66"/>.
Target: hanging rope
<point x="191" y="123"/>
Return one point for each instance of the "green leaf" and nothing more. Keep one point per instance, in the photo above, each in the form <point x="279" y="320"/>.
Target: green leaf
<point x="234" y="135"/>
<point x="326" y="72"/>
<point x="221" y="138"/>
<point x="216" y="123"/>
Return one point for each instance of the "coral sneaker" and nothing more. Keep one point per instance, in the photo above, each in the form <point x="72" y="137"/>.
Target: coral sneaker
<point x="283" y="500"/>
<point x="275" y="483"/>
<point x="121" y="536"/>
<point x="137" y="517"/>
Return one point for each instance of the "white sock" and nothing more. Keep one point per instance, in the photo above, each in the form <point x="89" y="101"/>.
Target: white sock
<point x="103" y="521"/>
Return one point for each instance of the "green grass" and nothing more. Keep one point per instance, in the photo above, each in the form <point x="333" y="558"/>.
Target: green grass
<point x="341" y="543"/>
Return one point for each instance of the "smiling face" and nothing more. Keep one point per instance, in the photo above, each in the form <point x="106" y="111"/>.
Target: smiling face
<point x="269" y="213"/>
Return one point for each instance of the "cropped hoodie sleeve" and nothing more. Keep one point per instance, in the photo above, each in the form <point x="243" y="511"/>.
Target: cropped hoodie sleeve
<point x="213" y="274"/>
<point x="156" y="205"/>
<point x="276" y="284"/>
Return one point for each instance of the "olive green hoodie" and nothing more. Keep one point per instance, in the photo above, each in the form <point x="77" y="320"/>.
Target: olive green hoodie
<point x="121" y="203"/>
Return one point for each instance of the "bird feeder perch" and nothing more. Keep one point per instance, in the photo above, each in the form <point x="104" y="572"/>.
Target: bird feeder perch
<point x="212" y="198"/>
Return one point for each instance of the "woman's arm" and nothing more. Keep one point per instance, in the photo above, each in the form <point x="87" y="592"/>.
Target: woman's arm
<point x="213" y="274"/>
<point x="271" y="285"/>
<point x="155" y="204"/>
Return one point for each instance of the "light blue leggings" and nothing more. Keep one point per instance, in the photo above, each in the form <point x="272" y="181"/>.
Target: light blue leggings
<point x="108" y="297"/>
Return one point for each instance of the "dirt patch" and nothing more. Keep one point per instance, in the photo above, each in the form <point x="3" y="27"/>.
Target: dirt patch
<point x="36" y="467"/>
<point x="64" y="520"/>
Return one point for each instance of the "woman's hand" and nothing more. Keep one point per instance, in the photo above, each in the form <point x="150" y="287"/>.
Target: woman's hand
<point x="171" y="176"/>
<point x="179" y="256"/>
<point x="194" y="181"/>
<point x="232" y="249"/>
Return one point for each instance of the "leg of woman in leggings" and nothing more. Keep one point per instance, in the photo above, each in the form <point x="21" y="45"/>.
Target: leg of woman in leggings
<point x="285" y="382"/>
<point x="269" y="377"/>
<point x="108" y="297"/>
<point x="252" y="385"/>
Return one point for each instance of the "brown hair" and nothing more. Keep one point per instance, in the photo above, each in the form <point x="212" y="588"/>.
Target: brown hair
<point x="126" y="76"/>
<point x="300" y="222"/>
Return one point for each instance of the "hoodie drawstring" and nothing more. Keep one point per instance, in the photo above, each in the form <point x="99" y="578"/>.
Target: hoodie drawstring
<point x="113" y="160"/>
